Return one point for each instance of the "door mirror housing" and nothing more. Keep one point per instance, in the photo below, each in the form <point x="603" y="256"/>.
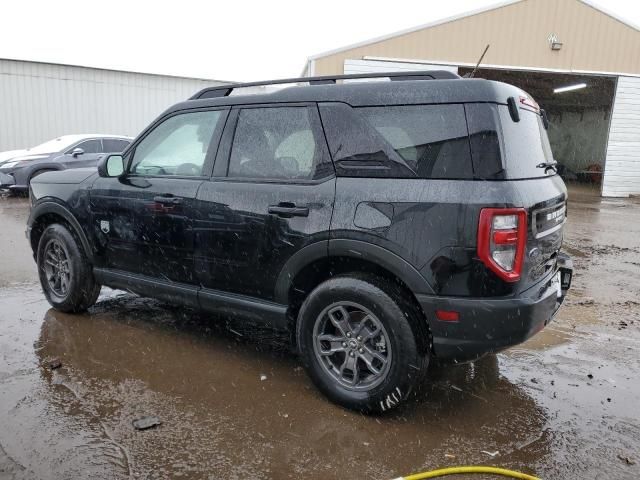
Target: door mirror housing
<point x="77" y="152"/>
<point x="111" y="166"/>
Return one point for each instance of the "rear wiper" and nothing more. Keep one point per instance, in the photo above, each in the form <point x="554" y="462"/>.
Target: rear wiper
<point x="548" y="165"/>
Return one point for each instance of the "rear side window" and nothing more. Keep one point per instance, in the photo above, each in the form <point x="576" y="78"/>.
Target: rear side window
<point x="416" y="141"/>
<point x="114" y="145"/>
<point x="278" y="143"/>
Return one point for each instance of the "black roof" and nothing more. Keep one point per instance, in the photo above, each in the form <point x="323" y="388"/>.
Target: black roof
<point x="430" y="89"/>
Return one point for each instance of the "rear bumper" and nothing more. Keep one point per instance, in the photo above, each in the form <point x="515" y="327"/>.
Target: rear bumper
<point x="491" y="325"/>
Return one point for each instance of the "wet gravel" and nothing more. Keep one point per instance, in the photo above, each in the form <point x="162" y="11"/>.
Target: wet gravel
<point x="233" y="401"/>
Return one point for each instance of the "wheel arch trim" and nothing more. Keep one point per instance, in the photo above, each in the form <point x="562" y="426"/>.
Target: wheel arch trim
<point x="356" y="249"/>
<point x="49" y="167"/>
<point x="47" y="207"/>
<point x="303" y="257"/>
<point x="385" y="258"/>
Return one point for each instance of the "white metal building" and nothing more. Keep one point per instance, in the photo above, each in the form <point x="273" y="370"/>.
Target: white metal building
<point x="540" y="46"/>
<point x="41" y="101"/>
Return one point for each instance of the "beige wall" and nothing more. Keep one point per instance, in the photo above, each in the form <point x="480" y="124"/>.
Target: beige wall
<point x="593" y="41"/>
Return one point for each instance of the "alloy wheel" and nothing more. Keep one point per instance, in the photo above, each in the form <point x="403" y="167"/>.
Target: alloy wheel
<point x="57" y="268"/>
<point x="352" y="345"/>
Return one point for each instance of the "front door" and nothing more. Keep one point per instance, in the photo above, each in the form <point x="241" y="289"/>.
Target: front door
<point x="143" y="221"/>
<point x="272" y="194"/>
<point x="92" y="150"/>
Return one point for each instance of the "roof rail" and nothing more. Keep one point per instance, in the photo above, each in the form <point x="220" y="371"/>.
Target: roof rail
<point x="225" y="90"/>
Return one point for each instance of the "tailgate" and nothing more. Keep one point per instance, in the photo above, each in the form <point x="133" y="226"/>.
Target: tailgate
<point x="546" y="221"/>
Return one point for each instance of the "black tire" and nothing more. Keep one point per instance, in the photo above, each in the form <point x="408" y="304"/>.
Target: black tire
<point x="78" y="290"/>
<point x="405" y="365"/>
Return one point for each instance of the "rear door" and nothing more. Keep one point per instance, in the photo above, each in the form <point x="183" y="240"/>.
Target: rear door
<point x="144" y="220"/>
<point x="271" y="195"/>
<point x="114" y="145"/>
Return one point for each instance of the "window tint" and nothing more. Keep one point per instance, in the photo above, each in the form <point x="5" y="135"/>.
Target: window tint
<point x="526" y="144"/>
<point x="485" y="139"/>
<point x="357" y="149"/>
<point x="178" y="146"/>
<point x="418" y="141"/>
<point x="431" y="139"/>
<point x="278" y="143"/>
<point x="113" y="145"/>
<point x="90" y="146"/>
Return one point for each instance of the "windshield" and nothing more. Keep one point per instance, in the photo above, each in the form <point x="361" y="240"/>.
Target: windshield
<point x="56" y="145"/>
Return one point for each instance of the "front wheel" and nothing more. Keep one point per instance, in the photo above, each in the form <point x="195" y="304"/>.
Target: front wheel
<point x="65" y="272"/>
<point x="357" y="343"/>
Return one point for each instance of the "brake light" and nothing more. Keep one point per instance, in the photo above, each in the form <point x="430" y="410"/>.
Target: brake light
<point x="531" y="103"/>
<point x="502" y="238"/>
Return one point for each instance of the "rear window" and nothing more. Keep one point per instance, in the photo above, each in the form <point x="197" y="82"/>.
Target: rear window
<point x="416" y="141"/>
<point x="526" y="144"/>
<point x="504" y="149"/>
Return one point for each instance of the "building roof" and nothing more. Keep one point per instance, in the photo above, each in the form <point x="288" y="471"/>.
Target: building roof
<point x="40" y="62"/>
<point x="398" y="33"/>
<point x="594" y="39"/>
<point x="460" y="16"/>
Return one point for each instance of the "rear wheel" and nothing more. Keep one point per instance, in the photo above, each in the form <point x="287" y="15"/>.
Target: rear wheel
<point x="64" y="270"/>
<point x="357" y="344"/>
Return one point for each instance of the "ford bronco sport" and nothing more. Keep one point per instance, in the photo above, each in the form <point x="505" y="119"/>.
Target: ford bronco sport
<point x="383" y="224"/>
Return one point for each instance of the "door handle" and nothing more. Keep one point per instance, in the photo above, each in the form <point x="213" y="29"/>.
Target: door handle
<point x="287" y="210"/>
<point x="166" y="200"/>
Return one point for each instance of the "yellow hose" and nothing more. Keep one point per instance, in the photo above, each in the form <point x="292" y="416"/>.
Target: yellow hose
<point x="477" y="469"/>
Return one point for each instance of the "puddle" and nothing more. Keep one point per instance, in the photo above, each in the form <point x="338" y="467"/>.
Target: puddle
<point x="204" y="378"/>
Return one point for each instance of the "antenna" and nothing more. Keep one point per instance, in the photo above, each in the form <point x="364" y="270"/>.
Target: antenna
<point x="473" y="72"/>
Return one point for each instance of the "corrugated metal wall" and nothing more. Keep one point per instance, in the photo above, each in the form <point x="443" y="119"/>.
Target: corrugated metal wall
<point x="622" y="169"/>
<point x="40" y="101"/>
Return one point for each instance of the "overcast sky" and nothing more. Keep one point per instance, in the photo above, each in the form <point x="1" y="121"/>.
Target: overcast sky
<point x="241" y="40"/>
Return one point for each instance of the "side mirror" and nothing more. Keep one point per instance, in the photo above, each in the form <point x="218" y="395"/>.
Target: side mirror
<point x="111" y="166"/>
<point x="77" y="151"/>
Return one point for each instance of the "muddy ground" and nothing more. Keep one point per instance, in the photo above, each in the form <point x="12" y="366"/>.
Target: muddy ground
<point x="234" y="403"/>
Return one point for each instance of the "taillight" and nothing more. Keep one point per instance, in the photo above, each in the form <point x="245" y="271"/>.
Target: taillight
<point x="502" y="238"/>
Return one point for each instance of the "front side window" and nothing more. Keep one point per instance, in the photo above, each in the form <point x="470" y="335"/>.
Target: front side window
<point x="90" y="146"/>
<point x="277" y="143"/>
<point x="178" y="146"/>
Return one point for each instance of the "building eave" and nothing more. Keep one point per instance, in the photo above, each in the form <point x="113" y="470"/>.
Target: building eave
<point x="382" y="38"/>
<point x="471" y="13"/>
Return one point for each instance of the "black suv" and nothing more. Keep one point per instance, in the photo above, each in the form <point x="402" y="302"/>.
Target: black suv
<point x="383" y="224"/>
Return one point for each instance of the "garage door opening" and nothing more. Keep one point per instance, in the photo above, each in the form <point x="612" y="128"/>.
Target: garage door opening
<point x="579" y="110"/>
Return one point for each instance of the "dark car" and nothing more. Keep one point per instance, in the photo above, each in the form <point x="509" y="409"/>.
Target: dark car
<point x="383" y="224"/>
<point x="68" y="151"/>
